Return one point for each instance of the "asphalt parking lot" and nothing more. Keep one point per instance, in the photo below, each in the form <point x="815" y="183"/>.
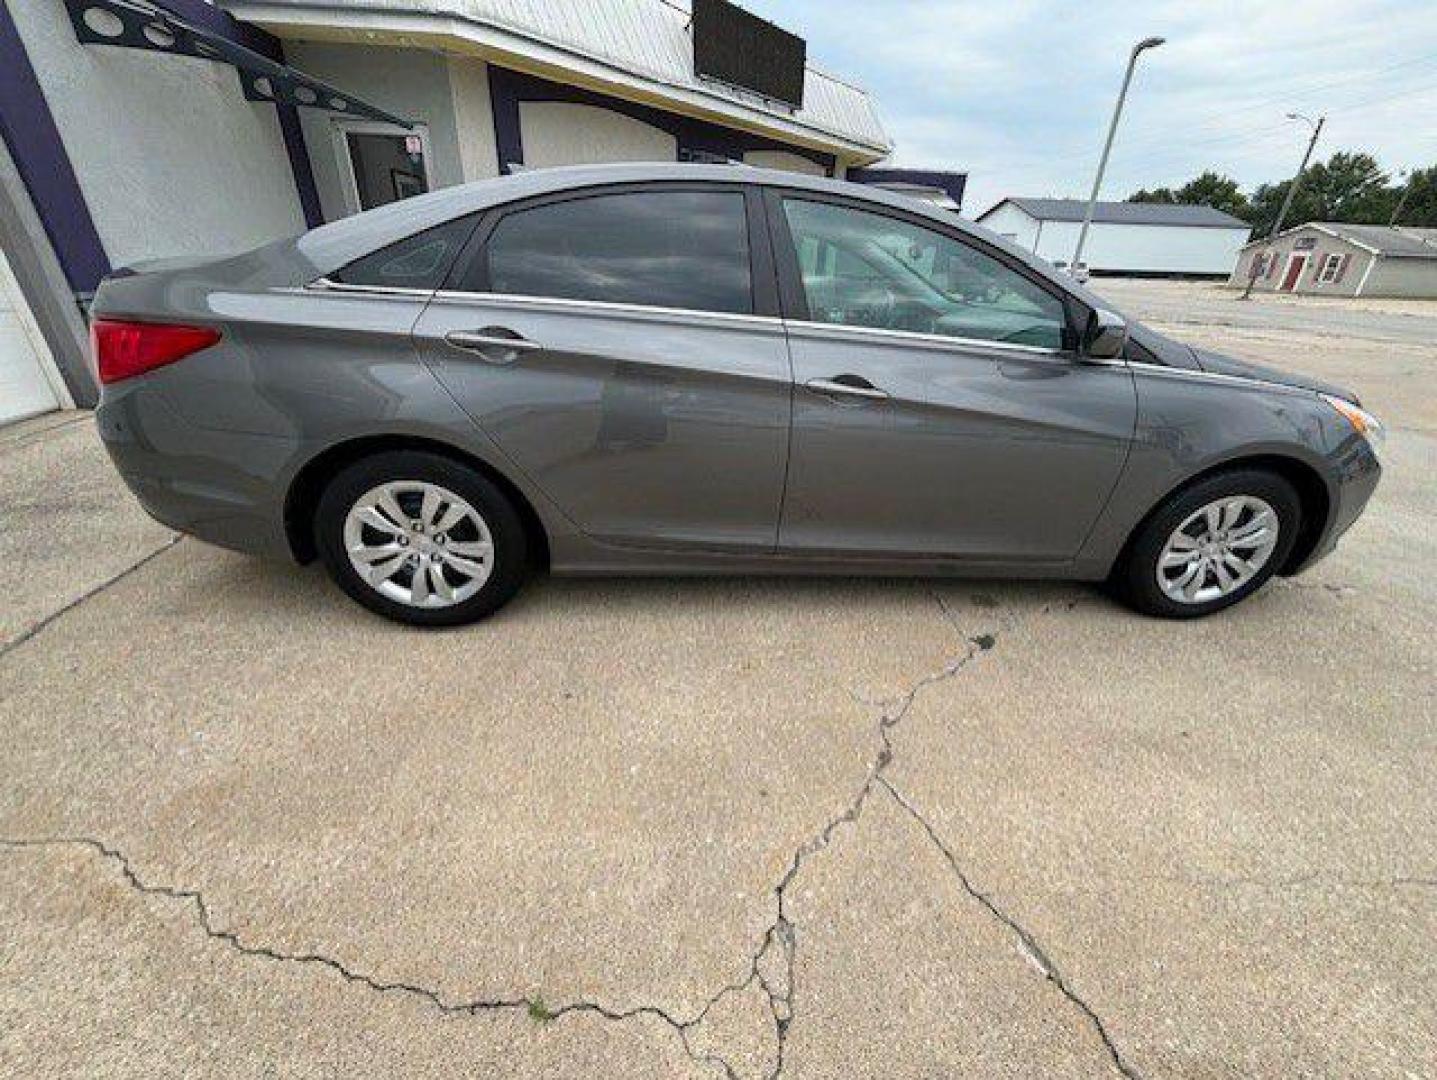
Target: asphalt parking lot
<point x="708" y="828"/>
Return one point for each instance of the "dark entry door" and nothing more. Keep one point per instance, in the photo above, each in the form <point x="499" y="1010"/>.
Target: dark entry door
<point x="387" y="167"/>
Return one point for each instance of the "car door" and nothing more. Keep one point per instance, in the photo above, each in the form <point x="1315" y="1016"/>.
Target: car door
<point x="622" y="346"/>
<point x="939" y="408"/>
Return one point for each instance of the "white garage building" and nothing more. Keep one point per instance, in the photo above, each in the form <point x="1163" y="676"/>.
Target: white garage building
<point x="30" y="383"/>
<point x="1137" y="239"/>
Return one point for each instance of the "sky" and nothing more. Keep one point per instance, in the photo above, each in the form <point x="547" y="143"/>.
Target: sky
<point x="1018" y="93"/>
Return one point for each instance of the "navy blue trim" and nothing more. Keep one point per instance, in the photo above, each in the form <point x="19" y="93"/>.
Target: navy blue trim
<point x="299" y="164"/>
<point x="953" y="183"/>
<point x="34" y="143"/>
<point x="694" y="137"/>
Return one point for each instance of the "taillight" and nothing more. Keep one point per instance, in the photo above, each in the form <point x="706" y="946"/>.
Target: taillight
<point x="126" y="349"/>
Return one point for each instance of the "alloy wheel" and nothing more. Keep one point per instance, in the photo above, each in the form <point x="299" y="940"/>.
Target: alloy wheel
<point x="419" y="544"/>
<point x="1218" y="549"/>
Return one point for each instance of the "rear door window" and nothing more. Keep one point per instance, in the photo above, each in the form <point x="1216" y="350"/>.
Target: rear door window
<point x="673" y="249"/>
<point x="420" y="261"/>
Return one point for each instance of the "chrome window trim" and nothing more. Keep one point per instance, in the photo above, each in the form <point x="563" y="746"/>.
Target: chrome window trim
<point x="324" y="284"/>
<point x="915" y="337"/>
<point x="559" y="303"/>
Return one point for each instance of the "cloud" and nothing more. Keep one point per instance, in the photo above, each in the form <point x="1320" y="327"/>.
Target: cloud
<point x="1019" y="94"/>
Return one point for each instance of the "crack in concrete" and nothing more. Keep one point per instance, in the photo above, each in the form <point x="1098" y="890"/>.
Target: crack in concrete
<point x="349" y="974"/>
<point x="1035" y="953"/>
<point x="771" y="965"/>
<point x="782" y="933"/>
<point x="30" y="631"/>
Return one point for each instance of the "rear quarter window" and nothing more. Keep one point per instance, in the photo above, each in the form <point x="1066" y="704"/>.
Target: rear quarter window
<point x="420" y="261"/>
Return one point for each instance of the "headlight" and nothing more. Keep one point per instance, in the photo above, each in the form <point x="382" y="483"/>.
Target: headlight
<point x="1362" y="421"/>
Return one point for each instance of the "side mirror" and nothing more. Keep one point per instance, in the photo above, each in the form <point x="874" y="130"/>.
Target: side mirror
<point x="1105" y="336"/>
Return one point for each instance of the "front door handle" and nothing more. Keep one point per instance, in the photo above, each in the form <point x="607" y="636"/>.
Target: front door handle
<point x="496" y="344"/>
<point x="847" y="386"/>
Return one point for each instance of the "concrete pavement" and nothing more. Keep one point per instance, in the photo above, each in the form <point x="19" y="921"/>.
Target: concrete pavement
<point x="657" y="829"/>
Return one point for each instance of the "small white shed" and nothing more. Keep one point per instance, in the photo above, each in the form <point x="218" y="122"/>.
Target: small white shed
<point x="1141" y="239"/>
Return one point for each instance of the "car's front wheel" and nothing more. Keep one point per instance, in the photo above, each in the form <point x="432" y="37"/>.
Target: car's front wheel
<point x="1210" y="545"/>
<point x="421" y="538"/>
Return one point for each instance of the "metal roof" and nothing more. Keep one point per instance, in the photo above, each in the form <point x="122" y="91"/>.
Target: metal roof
<point x="648" y="39"/>
<point x="1126" y="213"/>
<point x="1385" y="240"/>
<point x="1401" y="242"/>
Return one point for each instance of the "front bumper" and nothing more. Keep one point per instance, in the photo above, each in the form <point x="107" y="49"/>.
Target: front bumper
<point x="219" y="486"/>
<point x="1356" y="474"/>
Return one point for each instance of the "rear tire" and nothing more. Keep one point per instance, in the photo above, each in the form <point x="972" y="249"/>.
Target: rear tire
<point x="421" y="539"/>
<point x="1210" y="545"/>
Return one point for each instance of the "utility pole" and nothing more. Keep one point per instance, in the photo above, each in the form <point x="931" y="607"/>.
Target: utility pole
<point x="1146" y="43"/>
<point x="1287" y="201"/>
<point x="1406" y="191"/>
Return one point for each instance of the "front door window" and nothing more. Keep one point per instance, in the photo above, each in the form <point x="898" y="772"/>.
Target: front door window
<point x="865" y="269"/>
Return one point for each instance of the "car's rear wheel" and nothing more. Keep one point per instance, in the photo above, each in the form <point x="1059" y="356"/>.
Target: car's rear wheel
<point x="421" y="539"/>
<point x="1210" y="545"/>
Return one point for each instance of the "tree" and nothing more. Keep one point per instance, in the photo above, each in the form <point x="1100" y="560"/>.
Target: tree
<point x="1211" y="189"/>
<point x="1207" y="189"/>
<point x="1420" y="208"/>
<point x="1347" y="187"/>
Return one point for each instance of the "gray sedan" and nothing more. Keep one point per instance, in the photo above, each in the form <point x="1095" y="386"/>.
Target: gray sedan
<point x="666" y="369"/>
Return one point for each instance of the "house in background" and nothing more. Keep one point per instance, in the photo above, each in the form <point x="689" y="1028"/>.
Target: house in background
<point x="1136" y="239"/>
<point x="135" y="129"/>
<point x="1329" y="258"/>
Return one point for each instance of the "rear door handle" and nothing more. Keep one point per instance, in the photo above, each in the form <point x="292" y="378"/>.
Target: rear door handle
<point x="847" y="386"/>
<point x="493" y="343"/>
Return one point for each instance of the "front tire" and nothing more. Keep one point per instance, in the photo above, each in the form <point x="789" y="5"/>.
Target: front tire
<point x="421" y="539"/>
<point x="1210" y="545"/>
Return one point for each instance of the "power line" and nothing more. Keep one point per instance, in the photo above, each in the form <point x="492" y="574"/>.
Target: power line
<point x="1212" y="121"/>
<point x="1382" y="99"/>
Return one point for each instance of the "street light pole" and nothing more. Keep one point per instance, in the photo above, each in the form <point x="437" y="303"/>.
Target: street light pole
<point x="1146" y="43"/>
<point x="1287" y="200"/>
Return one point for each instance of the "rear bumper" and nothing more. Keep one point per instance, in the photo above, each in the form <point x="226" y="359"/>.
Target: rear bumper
<point x="219" y="486"/>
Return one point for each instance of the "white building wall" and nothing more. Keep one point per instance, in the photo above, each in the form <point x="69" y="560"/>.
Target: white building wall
<point x="1013" y="224"/>
<point x="473" y="118"/>
<point x="171" y="158"/>
<point x="1168" y="249"/>
<point x="782" y="159"/>
<point x="567" y="133"/>
<point x="1405" y="278"/>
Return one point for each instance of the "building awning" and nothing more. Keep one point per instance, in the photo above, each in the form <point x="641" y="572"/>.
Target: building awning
<point x="148" y="24"/>
<point x="638" y="50"/>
